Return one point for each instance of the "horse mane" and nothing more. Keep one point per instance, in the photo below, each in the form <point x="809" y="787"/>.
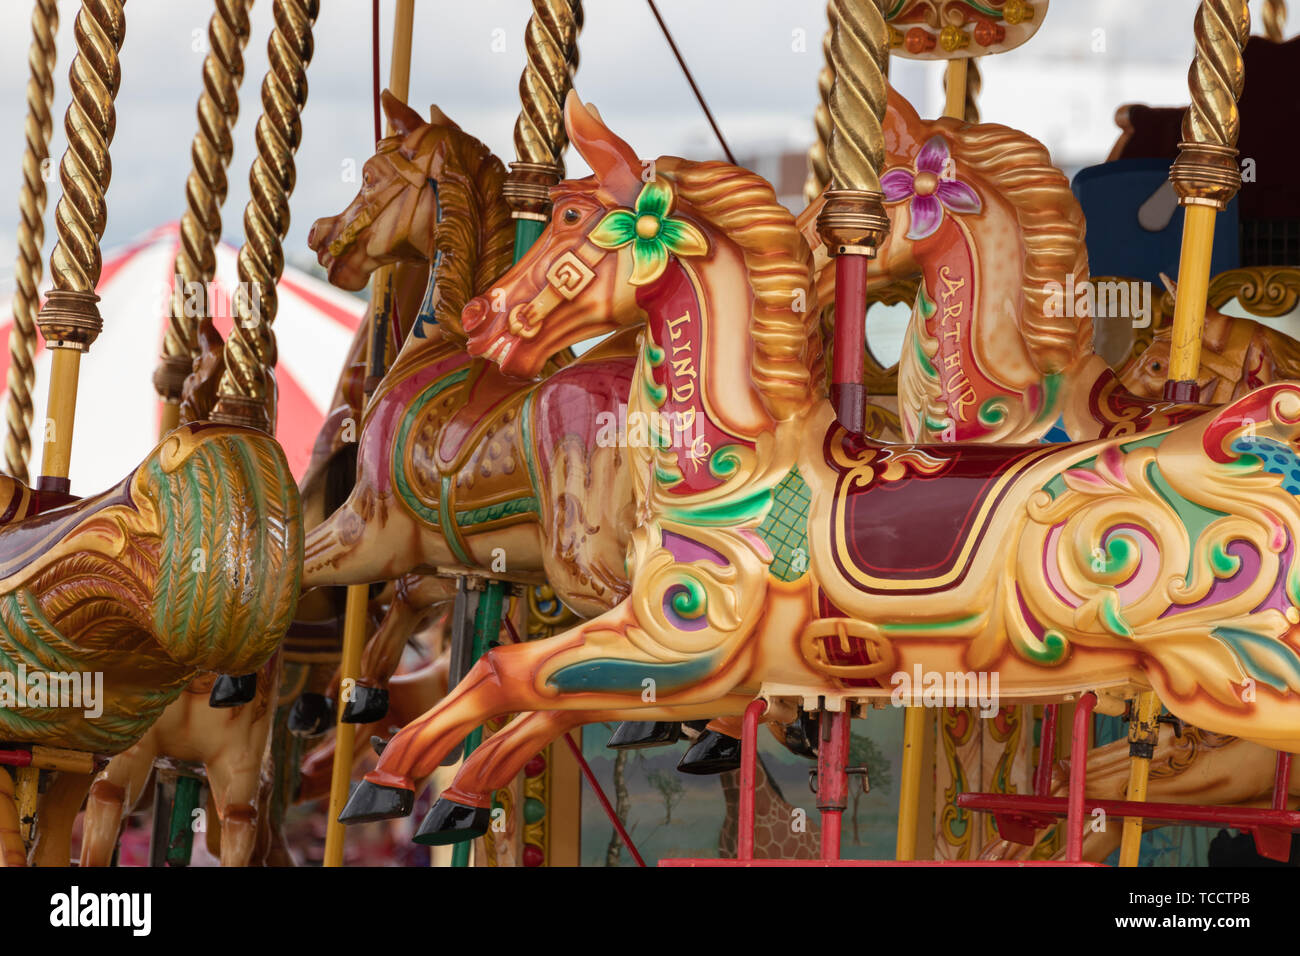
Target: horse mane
<point x="786" y="362"/>
<point x="1019" y="168"/>
<point x="475" y="235"/>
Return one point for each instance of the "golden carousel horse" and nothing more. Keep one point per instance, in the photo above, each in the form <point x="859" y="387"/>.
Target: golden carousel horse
<point x="461" y="468"/>
<point x="190" y="564"/>
<point x="1109" y="565"/>
<point x="993" y="352"/>
<point x="1238" y="355"/>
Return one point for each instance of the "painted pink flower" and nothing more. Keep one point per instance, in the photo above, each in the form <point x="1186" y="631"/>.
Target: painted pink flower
<point x="931" y="187"/>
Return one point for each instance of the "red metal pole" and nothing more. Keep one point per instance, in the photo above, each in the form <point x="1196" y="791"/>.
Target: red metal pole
<point x="1046" y="751"/>
<point x="1281" y="780"/>
<point x="748" y="780"/>
<point x="1078" y="777"/>
<point x="832" y="781"/>
<point x="848" y="394"/>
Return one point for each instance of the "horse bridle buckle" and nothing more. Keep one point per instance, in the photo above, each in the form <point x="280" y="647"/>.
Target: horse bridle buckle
<point x="569" y="275"/>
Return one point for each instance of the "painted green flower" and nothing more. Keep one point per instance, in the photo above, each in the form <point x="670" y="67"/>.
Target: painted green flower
<point x="653" y="235"/>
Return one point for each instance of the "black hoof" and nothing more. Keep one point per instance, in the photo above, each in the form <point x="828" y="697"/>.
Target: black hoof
<point x="635" y="734"/>
<point x="801" y="736"/>
<point x="370" y="801"/>
<point x="311" y="714"/>
<point x="450" y="822"/>
<point x="232" y="691"/>
<point x="711" y="753"/>
<point x="367" y="705"/>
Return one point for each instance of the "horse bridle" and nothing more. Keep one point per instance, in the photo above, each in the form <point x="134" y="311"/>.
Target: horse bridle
<point x="408" y="174"/>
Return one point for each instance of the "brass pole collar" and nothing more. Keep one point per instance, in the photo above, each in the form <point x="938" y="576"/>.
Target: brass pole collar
<point x="1205" y="174"/>
<point x="853" y="221"/>
<point x="528" y="189"/>
<point x="70" y="319"/>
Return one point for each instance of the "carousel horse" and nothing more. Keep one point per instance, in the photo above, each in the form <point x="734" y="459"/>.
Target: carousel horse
<point x="998" y="347"/>
<point x="1238" y="355"/>
<point x="1196" y="767"/>
<point x="461" y="467"/>
<point x="432" y="194"/>
<point x="190" y="564"/>
<point x="777" y="554"/>
<point x="230" y="743"/>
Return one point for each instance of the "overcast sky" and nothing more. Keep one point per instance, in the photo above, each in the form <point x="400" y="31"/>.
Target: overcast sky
<point x="1089" y="57"/>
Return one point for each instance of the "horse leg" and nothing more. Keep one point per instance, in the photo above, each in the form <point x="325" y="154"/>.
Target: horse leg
<point x="112" y="795"/>
<point x="462" y="811"/>
<point x="509" y="679"/>
<point x="413" y="600"/>
<point x="56" y="815"/>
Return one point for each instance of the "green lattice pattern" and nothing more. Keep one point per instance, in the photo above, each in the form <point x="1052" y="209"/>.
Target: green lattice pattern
<point x="785" y="529"/>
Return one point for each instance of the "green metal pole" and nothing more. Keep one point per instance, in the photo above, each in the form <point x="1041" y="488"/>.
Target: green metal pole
<point x="487" y="617"/>
<point x="487" y="625"/>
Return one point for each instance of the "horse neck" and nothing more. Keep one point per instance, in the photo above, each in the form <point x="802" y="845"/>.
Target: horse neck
<point x="969" y="357"/>
<point x="692" y="383"/>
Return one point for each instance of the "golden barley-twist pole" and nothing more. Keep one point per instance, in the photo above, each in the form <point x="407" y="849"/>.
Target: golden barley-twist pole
<point x="70" y="320"/>
<point x="1205" y="175"/>
<point x="205" y="194"/>
<point x="819" y="165"/>
<point x="31" y="236"/>
<point x="246" y="391"/>
<point x="852" y="223"/>
<point x="551" y="53"/>
<point x="1275" y="20"/>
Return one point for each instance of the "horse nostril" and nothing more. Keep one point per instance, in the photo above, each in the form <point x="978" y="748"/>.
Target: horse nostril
<point x="474" y="313"/>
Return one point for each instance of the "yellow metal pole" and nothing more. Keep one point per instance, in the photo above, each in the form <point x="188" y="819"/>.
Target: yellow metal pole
<point x="909" y="794"/>
<point x="1143" y="733"/>
<point x="70" y="320"/>
<point x="1205" y="175"/>
<point x="955" y="88"/>
<point x="345" y="734"/>
<point x="354" y="615"/>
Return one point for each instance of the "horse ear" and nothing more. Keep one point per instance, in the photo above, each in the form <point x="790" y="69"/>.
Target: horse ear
<point x="900" y="125"/>
<point x="438" y="118"/>
<point x="404" y="119"/>
<point x="614" y="162"/>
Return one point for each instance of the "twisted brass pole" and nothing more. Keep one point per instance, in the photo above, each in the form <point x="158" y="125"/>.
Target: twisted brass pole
<point x="70" y="320"/>
<point x="550" y="48"/>
<point x="819" y="167"/>
<point x="247" y="389"/>
<point x="31" y="237"/>
<point x="1205" y="175"/>
<point x="1275" y="20"/>
<point x="205" y="194"/>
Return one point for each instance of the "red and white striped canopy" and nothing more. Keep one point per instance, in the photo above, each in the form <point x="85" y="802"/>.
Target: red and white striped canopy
<point x="118" y="412"/>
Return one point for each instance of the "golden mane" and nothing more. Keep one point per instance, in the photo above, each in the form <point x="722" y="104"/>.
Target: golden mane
<point x="1019" y="168"/>
<point x="475" y="234"/>
<point x="786" y="362"/>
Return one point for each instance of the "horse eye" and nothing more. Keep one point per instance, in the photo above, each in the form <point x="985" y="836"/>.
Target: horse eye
<point x="571" y="215"/>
